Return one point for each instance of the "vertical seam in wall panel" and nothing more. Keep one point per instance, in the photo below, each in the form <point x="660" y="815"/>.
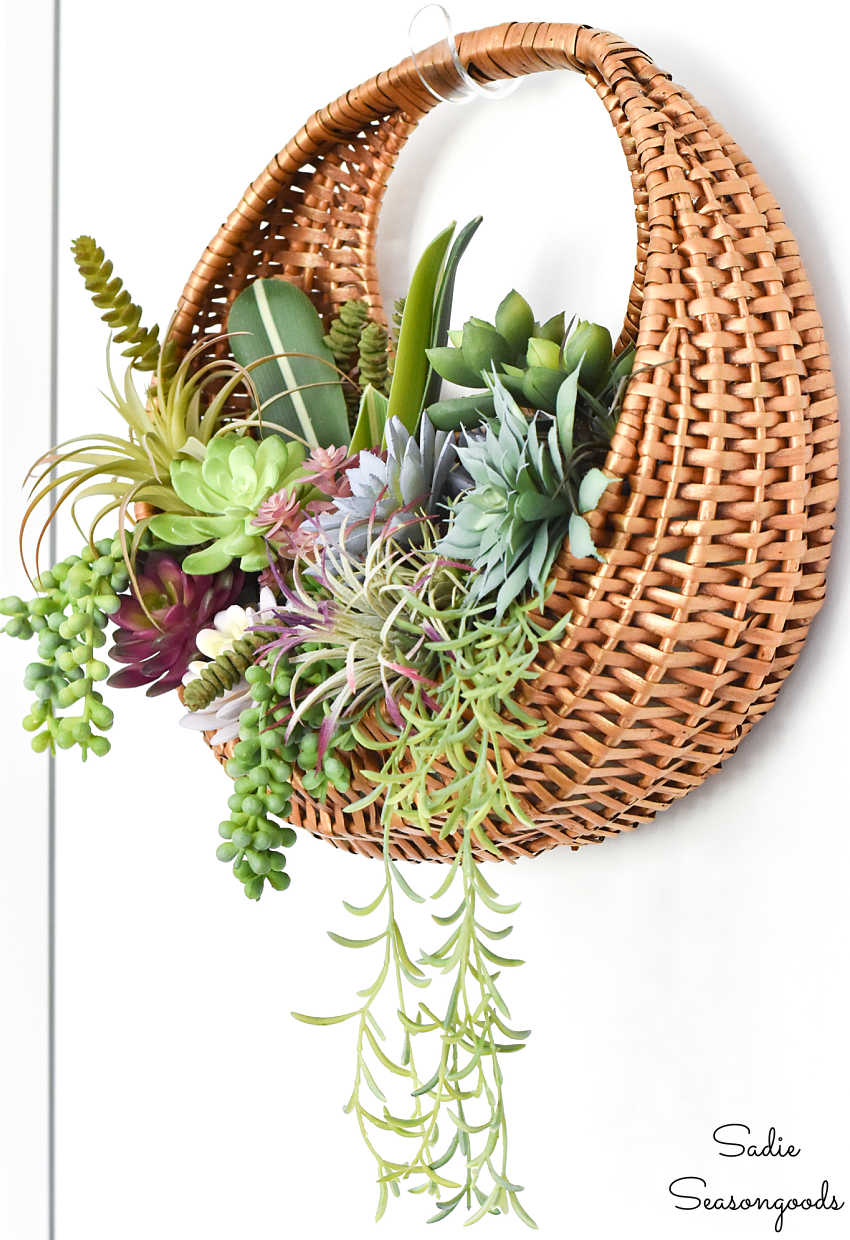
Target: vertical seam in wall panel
<point x="51" y="773"/>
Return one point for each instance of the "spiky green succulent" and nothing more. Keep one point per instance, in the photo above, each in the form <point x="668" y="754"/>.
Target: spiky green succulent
<point x="392" y="494"/>
<point x="119" y="312"/>
<point x="224" y="491"/>
<point x="532" y="361"/>
<point x="529" y="488"/>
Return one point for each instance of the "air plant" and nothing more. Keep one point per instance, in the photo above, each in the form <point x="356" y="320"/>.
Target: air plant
<point x="393" y="494"/>
<point x="176" y="420"/>
<point x="530" y="488"/>
<point x="219" y="497"/>
<point x="365" y="618"/>
<point x="156" y="628"/>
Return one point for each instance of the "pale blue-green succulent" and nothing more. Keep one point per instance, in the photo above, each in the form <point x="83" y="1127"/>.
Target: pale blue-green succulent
<point x="225" y="490"/>
<point x="528" y="490"/>
<point x="392" y="494"/>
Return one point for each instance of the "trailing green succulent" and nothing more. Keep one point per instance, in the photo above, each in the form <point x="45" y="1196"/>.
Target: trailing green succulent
<point x="530" y="486"/>
<point x="77" y="597"/>
<point x="463" y="718"/>
<point x="262" y="766"/>
<point x="453" y="1110"/>
<point x="119" y="313"/>
<point x="442" y="1128"/>
<point x="262" y="788"/>
<point x="220" y="496"/>
<point x="532" y="360"/>
<point x="475" y="1032"/>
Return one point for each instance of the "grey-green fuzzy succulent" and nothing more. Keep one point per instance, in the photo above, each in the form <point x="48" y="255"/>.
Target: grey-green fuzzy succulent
<point x="392" y="496"/>
<point x="529" y="489"/>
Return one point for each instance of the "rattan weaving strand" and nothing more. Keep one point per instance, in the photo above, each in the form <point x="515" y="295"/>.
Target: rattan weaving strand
<point x="717" y="540"/>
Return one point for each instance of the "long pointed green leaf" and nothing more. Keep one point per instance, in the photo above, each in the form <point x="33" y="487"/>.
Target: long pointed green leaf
<point x="371" y="418"/>
<point x="324" y="1020"/>
<point x="410" y="373"/>
<point x="521" y="1213"/>
<point x="443" y="302"/>
<point x="346" y="942"/>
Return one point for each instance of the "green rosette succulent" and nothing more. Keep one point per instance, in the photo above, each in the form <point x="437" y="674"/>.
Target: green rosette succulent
<point x="532" y="360"/>
<point x="225" y="490"/>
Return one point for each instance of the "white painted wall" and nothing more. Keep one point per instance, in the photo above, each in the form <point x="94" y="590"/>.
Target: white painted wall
<point x="26" y="106"/>
<point x="691" y="975"/>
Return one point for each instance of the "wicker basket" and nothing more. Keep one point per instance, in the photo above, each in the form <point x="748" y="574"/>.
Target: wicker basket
<point x="716" y="539"/>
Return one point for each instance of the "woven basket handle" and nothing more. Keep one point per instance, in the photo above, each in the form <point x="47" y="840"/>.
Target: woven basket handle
<point x="312" y="214"/>
<point x="516" y="49"/>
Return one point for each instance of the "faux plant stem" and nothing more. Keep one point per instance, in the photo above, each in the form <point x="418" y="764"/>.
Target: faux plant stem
<point x="458" y="1113"/>
<point x="374" y="1063"/>
<point x="474" y="1032"/>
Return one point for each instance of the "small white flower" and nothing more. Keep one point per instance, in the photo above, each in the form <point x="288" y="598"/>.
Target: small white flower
<point x="230" y="625"/>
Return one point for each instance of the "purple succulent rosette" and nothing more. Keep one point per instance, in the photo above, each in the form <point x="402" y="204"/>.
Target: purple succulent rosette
<point x="157" y="648"/>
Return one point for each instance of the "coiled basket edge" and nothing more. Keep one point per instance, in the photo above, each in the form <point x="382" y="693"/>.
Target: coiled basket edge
<point x="716" y="549"/>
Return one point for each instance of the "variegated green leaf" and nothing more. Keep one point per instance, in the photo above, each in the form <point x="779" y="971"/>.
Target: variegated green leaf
<point x="299" y="386"/>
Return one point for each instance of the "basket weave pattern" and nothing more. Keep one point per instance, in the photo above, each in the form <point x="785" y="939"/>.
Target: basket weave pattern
<point x="716" y="538"/>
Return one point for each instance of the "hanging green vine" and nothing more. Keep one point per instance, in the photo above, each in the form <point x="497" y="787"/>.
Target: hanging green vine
<point x="464" y="722"/>
<point x="474" y="1031"/>
<point x="455" y="1117"/>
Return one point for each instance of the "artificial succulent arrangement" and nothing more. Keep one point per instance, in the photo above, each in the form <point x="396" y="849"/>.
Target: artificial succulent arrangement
<point x="344" y="574"/>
